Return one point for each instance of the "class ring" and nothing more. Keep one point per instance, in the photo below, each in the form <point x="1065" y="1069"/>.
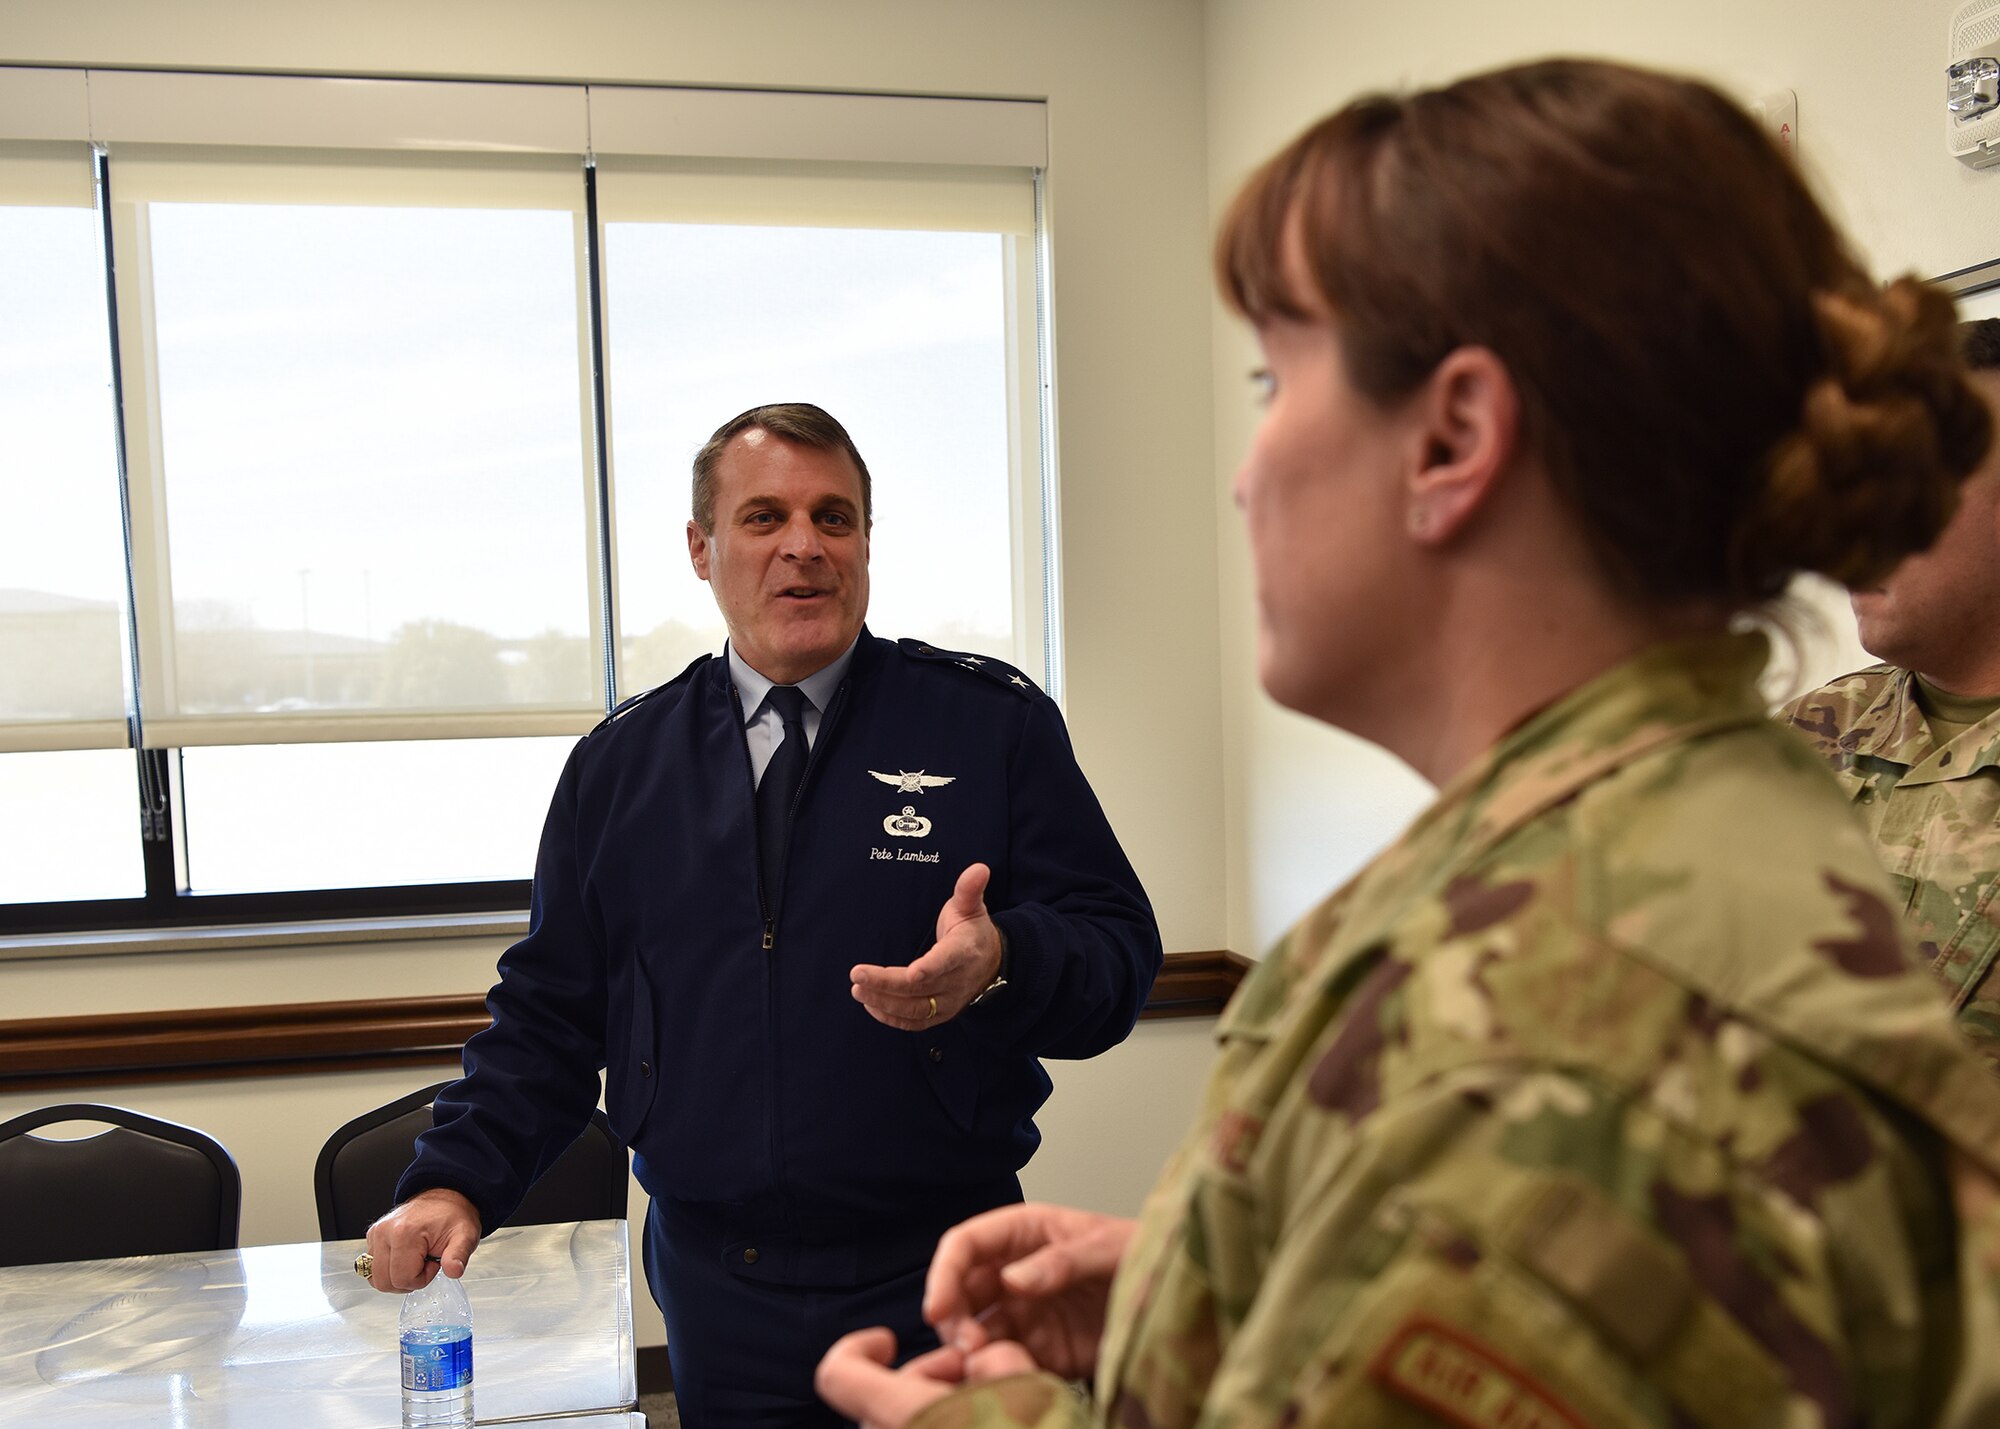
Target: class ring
<point x="364" y="1265"/>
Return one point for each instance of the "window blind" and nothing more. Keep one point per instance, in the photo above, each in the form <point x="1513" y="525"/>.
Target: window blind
<point x="363" y="488"/>
<point x="344" y="530"/>
<point x="61" y="549"/>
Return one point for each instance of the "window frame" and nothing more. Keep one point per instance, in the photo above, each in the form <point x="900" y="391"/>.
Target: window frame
<point x="107" y="109"/>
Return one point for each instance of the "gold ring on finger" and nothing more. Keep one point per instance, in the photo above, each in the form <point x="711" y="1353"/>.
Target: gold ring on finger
<point x="933" y="1012"/>
<point x="364" y="1265"/>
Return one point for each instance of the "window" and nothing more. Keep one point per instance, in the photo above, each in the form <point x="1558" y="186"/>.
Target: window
<point x="365" y="506"/>
<point x="70" y="826"/>
<point x="369" y="558"/>
<point x="895" y="311"/>
<point x="371" y="480"/>
<point x="269" y="818"/>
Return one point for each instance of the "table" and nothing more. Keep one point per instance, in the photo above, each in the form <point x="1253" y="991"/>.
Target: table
<point x="288" y="1337"/>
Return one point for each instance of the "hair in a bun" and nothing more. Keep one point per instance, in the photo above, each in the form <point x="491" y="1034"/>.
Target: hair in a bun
<point x="1871" y="471"/>
<point x="1717" y="389"/>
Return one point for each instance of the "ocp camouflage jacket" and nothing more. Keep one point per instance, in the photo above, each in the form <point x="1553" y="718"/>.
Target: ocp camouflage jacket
<point x="1607" y="1096"/>
<point x="1934" y="813"/>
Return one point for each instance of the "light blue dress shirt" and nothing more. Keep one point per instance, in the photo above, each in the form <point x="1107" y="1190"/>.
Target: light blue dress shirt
<point x="762" y="728"/>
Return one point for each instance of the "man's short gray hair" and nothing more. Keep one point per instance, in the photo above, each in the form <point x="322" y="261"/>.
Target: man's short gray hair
<point x="799" y="422"/>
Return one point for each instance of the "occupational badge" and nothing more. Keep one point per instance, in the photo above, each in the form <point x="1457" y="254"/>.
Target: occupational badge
<point x="906" y="825"/>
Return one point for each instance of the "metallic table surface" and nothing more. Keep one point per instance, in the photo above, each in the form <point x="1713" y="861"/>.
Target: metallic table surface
<point x="288" y="1337"/>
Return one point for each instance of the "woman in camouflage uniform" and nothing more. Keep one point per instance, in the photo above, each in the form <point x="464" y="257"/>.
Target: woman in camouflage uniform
<point x="1608" y="1095"/>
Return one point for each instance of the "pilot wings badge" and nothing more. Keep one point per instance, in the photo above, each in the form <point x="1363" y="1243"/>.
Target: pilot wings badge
<point x="906" y="783"/>
<point x="910" y="824"/>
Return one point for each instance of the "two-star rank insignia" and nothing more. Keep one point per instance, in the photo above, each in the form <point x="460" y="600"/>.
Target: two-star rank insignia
<point x="999" y="672"/>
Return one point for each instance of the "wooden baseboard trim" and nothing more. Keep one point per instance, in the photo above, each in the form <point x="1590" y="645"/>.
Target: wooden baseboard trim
<point x="210" y="1043"/>
<point x="205" y="1043"/>
<point x="1195" y="984"/>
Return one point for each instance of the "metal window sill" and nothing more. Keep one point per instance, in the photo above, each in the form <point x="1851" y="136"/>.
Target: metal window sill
<point x="224" y="937"/>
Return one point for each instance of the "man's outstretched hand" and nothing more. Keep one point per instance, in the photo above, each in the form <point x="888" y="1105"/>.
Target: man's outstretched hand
<point x="942" y="983"/>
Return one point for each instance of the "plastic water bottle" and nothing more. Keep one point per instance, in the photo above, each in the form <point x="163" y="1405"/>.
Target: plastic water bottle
<point x="436" y="1334"/>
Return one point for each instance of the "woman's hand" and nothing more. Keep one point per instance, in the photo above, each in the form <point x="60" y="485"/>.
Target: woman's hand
<point x="856" y="1378"/>
<point x="1036" y="1275"/>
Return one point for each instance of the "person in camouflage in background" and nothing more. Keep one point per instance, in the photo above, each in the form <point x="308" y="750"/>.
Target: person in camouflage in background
<point x="1915" y="741"/>
<point x="1609" y="1096"/>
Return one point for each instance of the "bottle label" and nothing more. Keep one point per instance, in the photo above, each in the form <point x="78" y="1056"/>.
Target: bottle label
<point x="430" y="1365"/>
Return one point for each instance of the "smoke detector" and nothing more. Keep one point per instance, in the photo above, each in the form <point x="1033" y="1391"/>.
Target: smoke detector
<point x="1972" y="84"/>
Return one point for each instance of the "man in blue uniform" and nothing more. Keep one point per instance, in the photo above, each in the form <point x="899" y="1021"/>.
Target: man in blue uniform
<point x="816" y="907"/>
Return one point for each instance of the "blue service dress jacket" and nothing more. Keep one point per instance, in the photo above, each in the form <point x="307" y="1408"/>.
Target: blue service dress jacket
<point x="737" y="1065"/>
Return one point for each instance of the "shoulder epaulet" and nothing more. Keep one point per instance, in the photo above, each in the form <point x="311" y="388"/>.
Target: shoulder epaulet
<point x="624" y="705"/>
<point x="1853" y="692"/>
<point x="997" y="671"/>
<point x="633" y="702"/>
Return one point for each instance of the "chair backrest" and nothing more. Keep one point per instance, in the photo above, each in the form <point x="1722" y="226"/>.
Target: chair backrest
<point x="358" y="1168"/>
<point x="145" y="1187"/>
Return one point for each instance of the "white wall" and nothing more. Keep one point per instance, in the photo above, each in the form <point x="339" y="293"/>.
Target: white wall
<point x="1307" y="806"/>
<point x="1127" y="207"/>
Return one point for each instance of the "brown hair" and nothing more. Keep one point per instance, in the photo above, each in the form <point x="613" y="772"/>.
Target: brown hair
<point x="1715" y="386"/>
<point x="799" y="422"/>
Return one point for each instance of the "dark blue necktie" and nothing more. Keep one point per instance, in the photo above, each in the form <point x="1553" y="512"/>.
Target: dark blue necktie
<point x="779" y="787"/>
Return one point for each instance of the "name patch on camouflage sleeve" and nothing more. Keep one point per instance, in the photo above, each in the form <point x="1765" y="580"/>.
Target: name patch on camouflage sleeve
<point x="1440" y="1368"/>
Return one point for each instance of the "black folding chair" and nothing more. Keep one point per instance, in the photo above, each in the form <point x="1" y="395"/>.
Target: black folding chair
<point x="355" y="1178"/>
<point x="144" y="1187"/>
